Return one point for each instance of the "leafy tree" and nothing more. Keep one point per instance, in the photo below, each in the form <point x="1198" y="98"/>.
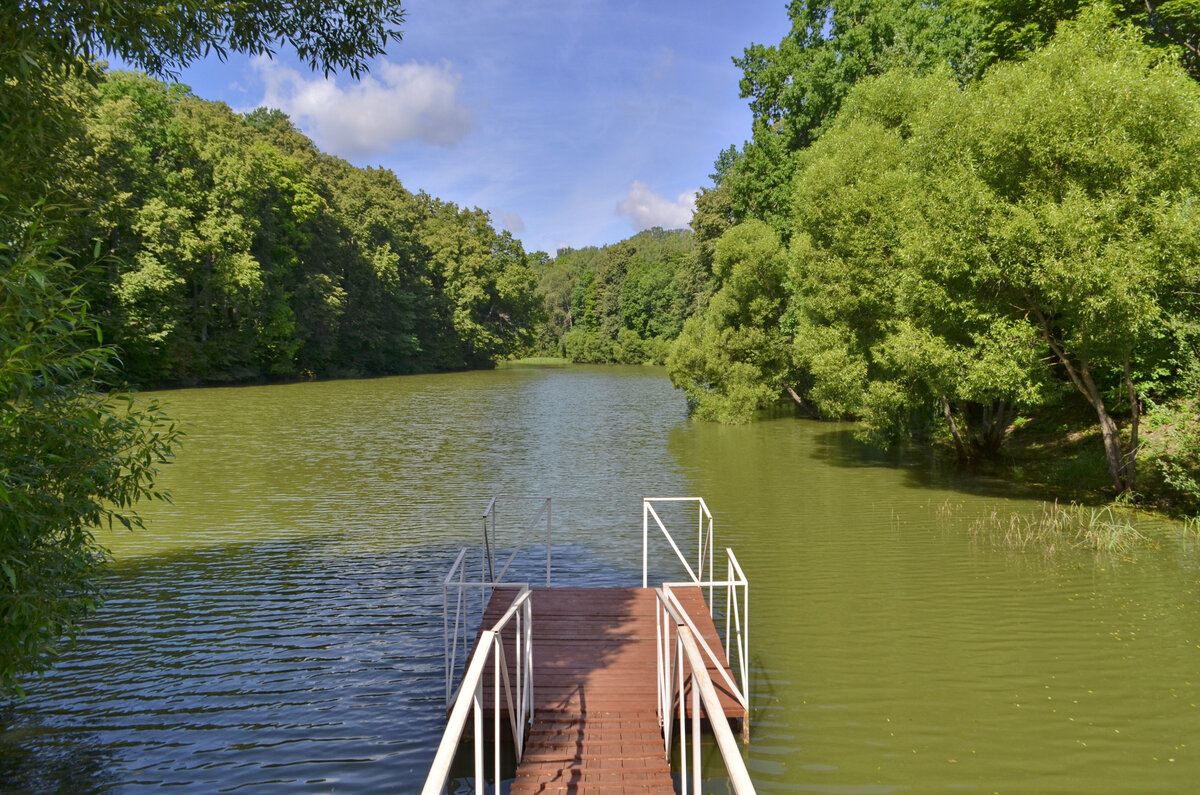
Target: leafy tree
<point x="331" y="36"/>
<point x="796" y="87"/>
<point x="882" y="331"/>
<point x="1013" y="29"/>
<point x="487" y="286"/>
<point x="957" y="250"/>
<point x="734" y="359"/>
<point x="1079" y="199"/>
<point x="71" y="457"/>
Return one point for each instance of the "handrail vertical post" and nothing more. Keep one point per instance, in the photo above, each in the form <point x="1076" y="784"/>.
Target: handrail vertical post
<point x="711" y="545"/>
<point x="658" y="657"/>
<point x="496" y="711"/>
<point x="477" y="703"/>
<point x="466" y="612"/>
<point x="730" y="601"/>
<point x="518" y="643"/>
<point x="528" y="662"/>
<point x="695" y="734"/>
<point x="446" y="639"/>
<point x="682" y="714"/>
<point x="645" y="538"/>
<point x="745" y="651"/>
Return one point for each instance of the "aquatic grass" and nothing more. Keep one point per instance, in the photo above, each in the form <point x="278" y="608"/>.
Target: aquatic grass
<point x="538" y="361"/>
<point x="1191" y="526"/>
<point x="1057" y="527"/>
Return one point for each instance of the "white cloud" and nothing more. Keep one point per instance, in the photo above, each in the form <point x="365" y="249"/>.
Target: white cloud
<point x="396" y="102"/>
<point x="645" y="208"/>
<point x="510" y="221"/>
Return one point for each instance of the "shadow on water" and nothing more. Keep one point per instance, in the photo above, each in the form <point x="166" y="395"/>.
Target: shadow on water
<point x="837" y="445"/>
<point x="40" y="757"/>
<point x="269" y="665"/>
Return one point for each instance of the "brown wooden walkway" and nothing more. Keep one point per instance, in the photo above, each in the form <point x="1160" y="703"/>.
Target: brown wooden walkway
<point x="595" y="725"/>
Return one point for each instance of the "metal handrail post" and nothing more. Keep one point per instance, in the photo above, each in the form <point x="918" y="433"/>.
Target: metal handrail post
<point x="645" y="538"/>
<point x="711" y="545"/>
<point x="735" y="766"/>
<point x="446" y="638"/>
<point x="695" y="732"/>
<point x="682" y="714"/>
<point x="497" y="662"/>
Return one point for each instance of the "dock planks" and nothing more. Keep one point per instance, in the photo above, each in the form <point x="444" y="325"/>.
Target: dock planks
<point x="595" y="725"/>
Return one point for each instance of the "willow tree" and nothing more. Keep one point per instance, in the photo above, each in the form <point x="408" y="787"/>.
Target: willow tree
<point x="733" y="359"/>
<point x="1068" y="189"/>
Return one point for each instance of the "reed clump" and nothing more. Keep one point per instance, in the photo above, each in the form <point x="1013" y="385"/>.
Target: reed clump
<point x="1057" y="527"/>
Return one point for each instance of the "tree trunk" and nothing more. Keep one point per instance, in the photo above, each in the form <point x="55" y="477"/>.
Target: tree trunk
<point x="1108" y="429"/>
<point x="1118" y="462"/>
<point x="1135" y="408"/>
<point x="807" y="410"/>
<point x="959" y="447"/>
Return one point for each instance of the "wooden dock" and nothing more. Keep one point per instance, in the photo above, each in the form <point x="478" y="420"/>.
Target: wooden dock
<point x="595" y="723"/>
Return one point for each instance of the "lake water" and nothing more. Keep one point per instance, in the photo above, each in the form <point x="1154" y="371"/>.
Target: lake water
<point x="279" y="627"/>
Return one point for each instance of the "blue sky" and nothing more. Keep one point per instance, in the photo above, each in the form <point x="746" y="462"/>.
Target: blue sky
<point x="574" y="123"/>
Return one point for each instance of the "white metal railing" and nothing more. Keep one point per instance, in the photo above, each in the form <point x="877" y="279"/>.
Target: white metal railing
<point x="490" y="543"/>
<point x="680" y="662"/>
<point x="704" y="537"/>
<point x="518" y="696"/>
<point x="458" y="617"/>
<point x="737" y="630"/>
<point x="735" y="590"/>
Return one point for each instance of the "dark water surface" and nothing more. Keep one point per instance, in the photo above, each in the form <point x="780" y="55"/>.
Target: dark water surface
<point x="279" y="628"/>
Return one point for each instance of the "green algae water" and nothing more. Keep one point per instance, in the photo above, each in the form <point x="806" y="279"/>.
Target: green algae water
<point x="279" y="627"/>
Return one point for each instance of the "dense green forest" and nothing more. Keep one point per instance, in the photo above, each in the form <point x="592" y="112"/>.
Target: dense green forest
<point x="132" y="212"/>
<point x="624" y="302"/>
<point x="232" y="249"/>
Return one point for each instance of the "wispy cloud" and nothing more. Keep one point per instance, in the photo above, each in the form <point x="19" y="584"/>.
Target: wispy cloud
<point x="510" y="221"/>
<point x="646" y="209"/>
<point x="396" y="102"/>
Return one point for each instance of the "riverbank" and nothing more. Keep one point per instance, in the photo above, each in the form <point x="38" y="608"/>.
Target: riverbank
<point x="1058" y="457"/>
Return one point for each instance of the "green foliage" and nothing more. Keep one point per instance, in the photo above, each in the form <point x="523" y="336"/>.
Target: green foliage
<point x="1012" y="29"/>
<point x="1172" y="453"/>
<point x="71" y="457"/>
<point x="620" y="303"/>
<point x="957" y="251"/>
<point x="734" y="359"/>
<point x="796" y="87"/>
<point x="161" y="37"/>
<point x="239" y="251"/>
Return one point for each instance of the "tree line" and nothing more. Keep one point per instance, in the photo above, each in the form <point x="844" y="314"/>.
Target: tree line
<point x="233" y="249"/>
<point x="951" y="216"/>
<point x="622" y="303"/>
